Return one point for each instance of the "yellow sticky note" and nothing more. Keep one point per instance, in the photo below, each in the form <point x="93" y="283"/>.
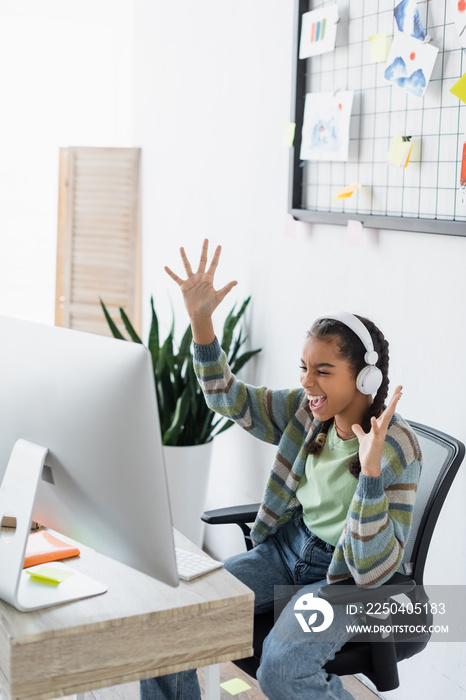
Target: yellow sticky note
<point x="49" y="574"/>
<point x="380" y="47"/>
<point x="235" y="686"/>
<point x="288" y="134"/>
<point x="346" y="191"/>
<point x="408" y="154"/>
<point x="400" y="151"/>
<point x="459" y="88"/>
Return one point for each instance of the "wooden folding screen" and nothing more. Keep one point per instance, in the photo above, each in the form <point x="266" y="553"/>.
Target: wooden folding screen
<point x="98" y="247"/>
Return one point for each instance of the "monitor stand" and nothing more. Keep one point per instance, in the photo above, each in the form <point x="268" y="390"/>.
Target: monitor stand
<point x="17" y="497"/>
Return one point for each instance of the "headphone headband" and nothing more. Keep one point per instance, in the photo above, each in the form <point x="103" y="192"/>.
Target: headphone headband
<point x="357" y="327"/>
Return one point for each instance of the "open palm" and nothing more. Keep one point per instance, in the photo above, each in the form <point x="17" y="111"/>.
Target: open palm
<point x="199" y="295"/>
<point x="371" y="443"/>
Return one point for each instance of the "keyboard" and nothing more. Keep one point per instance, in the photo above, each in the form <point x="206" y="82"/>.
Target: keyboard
<point x="191" y="565"/>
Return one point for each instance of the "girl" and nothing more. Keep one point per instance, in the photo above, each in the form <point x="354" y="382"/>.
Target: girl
<point x="339" y="499"/>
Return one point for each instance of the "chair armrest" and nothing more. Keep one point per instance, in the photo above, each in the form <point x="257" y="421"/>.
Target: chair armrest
<point x="233" y="514"/>
<point x="347" y="591"/>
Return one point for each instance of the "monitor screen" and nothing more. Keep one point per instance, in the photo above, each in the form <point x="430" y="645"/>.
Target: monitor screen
<point x="91" y="401"/>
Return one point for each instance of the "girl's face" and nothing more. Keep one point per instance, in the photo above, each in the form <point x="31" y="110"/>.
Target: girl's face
<point x="329" y="382"/>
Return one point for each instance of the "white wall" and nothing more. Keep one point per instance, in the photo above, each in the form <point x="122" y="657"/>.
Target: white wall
<point x="65" y="80"/>
<point x="212" y="92"/>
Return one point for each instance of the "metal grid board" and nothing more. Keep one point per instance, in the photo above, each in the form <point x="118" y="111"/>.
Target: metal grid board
<point x="424" y="196"/>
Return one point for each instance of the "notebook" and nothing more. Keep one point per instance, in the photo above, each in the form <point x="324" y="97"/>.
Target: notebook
<point x="43" y="547"/>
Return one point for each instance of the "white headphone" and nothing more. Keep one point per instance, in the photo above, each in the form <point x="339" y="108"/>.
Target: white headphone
<point x="370" y="377"/>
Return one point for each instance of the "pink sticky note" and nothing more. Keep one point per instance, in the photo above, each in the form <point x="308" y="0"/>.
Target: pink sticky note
<point x="354" y="232"/>
<point x="303" y="227"/>
<point x="290" y="227"/>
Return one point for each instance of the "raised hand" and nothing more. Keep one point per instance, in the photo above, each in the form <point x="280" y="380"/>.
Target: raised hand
<point x="199" y="295"/>
<point x="371" y="443"/>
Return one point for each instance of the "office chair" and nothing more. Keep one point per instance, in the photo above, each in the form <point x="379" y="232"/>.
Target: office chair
<point x="377" y="660"/>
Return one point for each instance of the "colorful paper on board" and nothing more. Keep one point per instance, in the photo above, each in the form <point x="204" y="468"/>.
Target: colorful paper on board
<point x="380" y="47"/>
<point x="410" y="64"/>
<point x="318" y="31"/>
<point x="458" y="7"/>
<point x="459" y="88"/>
<point x="463" y="167"/>
<point x="400" y="151"/>
<point x="346" y="192"/>
<point x="235" y="686"/>
<point x="408" y="20"/>
<point x="326" y="122"/>
<point x="49" y="574"/>
<point x="288" y="134"/>
<point x="463" y="175"/>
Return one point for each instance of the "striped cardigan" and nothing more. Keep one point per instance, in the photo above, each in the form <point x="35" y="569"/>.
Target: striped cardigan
<point x="377" y="525"/>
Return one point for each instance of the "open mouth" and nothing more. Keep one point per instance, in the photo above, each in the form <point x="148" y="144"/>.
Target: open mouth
<point x="316" y="402"/>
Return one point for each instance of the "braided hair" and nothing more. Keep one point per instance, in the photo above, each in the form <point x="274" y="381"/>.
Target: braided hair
<point x="351" y="347"/>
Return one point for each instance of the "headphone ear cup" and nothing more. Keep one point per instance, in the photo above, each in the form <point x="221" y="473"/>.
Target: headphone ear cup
<point x="369" y="380"/>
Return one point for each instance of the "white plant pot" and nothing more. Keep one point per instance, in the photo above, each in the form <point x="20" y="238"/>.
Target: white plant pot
<point x="188" y="477"/>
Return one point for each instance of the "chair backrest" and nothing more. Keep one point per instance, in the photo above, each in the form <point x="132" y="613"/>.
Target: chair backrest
<point x="442" y="455"/>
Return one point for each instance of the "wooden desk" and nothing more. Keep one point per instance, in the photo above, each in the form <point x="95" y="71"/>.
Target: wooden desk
<point x="140" y="628"/>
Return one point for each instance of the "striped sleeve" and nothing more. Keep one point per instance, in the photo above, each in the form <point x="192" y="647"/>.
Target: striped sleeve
<point x="263" y="412"/>
<point x="380" y="516"/>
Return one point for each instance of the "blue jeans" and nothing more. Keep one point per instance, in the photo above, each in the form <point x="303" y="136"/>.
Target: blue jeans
<point x="292" y="661"/>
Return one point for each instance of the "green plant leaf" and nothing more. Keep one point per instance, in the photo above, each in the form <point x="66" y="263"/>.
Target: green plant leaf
<point x="111" y="323"/>
<point x="206" y="428"/>
<point x="185" y="345"/>
<point x="160" y="405"/>
<point x="243" y="308"/>
<point x="166" y="352"/>
<point x="185" y="418"/>
<point x="172" y="435"/>
<point x="153" y="342"/>
<point x="132" y="333"/>
<point x="228" y="331"/>
<point x="224" y="427"/>
<point x="231" y="323"/>
<point x="237" y="345"/>
<point x="241" y="361"/>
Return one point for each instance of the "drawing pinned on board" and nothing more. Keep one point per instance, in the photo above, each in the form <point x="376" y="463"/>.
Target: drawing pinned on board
<point x="346" y="192"/>
<point x="458" y="7"/>
<point x="318" y="31"/>
<point x="326" y="122"/>
<point x="459" y="88"/>
<point x="410" y="64"/>
<point x="400" y="151"/>
<point x="408" y="20"/>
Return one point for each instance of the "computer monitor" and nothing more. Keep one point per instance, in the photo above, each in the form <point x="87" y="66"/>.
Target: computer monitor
<point x="90" y="400"/>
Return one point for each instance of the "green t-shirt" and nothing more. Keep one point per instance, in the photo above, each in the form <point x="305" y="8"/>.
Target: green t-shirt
<point x="326" y="488"/>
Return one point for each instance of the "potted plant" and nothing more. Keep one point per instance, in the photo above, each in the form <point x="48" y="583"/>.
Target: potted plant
<point x="185" y="419"/>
